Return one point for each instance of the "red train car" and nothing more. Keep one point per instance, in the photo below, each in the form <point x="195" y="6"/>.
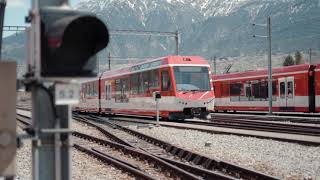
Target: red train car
<point x="89" y="96"/>
<point x="184" y="83"/>
<point x="294" y="88"/>
<point x="316" y="76"/>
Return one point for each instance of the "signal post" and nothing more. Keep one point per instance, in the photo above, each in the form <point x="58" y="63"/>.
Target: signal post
<point x="8" y="122"/>
<point x="62" y="47"/>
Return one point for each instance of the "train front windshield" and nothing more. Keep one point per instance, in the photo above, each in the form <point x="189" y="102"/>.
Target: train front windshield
<point x="192" y="78"/>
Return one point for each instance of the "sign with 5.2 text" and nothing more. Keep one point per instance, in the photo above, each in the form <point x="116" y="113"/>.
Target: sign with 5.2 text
<point x="67" y="94"/>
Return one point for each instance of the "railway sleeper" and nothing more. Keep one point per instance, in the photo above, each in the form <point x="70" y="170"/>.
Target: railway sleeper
<point x="152" y="159"/>
<point x="226" y="167"/>
<point x="124" y="166"/>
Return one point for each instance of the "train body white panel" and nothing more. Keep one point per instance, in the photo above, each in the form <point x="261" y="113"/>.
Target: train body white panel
<point x="88" y="104"/>
<point x="299" y="101"/>
<point x="166" y="103"/>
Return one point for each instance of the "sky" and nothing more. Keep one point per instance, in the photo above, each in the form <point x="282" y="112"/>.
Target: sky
<point x="16" y="11"/>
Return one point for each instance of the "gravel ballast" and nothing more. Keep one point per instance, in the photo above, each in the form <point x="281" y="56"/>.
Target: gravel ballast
<point x="281" y="159"/>
<point x="84" y="167"/>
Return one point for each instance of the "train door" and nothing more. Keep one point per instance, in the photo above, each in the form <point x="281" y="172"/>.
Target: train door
<point x="286" y="93"/>
<point x="165" y="81"/>
<point x="108" y="90"/>
<point x="125" y="90"/>
<point x="108" y="97"/>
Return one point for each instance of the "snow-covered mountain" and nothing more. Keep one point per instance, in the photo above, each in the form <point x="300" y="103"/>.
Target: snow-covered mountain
<point x="208" y="28"/>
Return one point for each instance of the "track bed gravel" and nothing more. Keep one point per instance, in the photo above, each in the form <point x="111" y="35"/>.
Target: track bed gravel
<point x="141" y="164"/>
<point x="281" y="159"/>
<point x="84" y="167"/>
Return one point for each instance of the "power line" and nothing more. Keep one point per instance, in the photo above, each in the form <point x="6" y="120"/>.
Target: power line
<point x="142" y="33"/>
<point x="175" y="34"/>
<point x="292" y="39"/>
<point x="111" y="31"/>
<point x="14" y="28"/>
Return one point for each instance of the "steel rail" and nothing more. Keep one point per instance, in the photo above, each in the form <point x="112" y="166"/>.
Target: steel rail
<point x="175" y="171"/>
<point x="193" y="169"/>
<point x="120" y="165"/>
<point x="260" y="126"/>
<point x="296" y="118"/>
<point x="197" y="159"/>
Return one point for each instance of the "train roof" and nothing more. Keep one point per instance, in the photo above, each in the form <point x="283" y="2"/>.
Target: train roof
<point x="262" y="73"/>
<point x="318" y="66"/>
<point x="157" y="63"/>
<point x="87" y="80"/>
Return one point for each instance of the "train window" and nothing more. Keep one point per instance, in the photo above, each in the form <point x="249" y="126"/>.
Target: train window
<point x="135" y="84"/>
<point x="282" y="90"/>
<point x="248" y="91"/>
<point x="125" y="90"/>
<point x="264" y="90"/>
<point x="118" y="90"/>
<point x="108" y="91"/>
<point x="141" y="85"/>
<point x="154" y="80"/>
<point x="96" y="89"/>
<point x="88" y="89"/>
<point x="256" y="90"/>
<point x="122" y="90"/>
<point x="85" y="89"/>
<point x="260" y="90"/>
<point x="290" y="89"/>
<point x="91" y="89"/>
<point x="166" y="84"/>
<point x="145" y="81"/>
<point x="236" y="89"/>
<point x="274" y="87"/>
<point x="125" y="84"/>
<point x="187" y="78"/>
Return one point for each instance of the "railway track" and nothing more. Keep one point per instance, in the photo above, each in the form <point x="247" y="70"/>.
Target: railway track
<point x="136" y="162"/>
<point x="199" y="165"/>
<point x="260" y="126"/>
<point x="305" y="135"/>
<point x="298" y="118"/>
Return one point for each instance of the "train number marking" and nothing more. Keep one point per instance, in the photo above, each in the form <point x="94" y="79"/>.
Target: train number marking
<point x="66" y="94"/>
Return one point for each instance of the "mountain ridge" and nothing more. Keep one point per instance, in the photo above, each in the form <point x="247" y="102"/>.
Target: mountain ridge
<point x="208" y="28"/>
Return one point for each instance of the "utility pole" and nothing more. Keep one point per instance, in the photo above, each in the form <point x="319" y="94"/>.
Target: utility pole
<point x="8" y="97"/>
<point x="109" y="61"/>
<point x="215" y="64"/>
<point x="177" y="42"/>
<point x="2" y="12"/>
<point x="269" y="67"/>
<point x="310" y="55"/>
<point x="50" y="147"/>
<point x="268" y="26"/>
<point x="52" y="27"/>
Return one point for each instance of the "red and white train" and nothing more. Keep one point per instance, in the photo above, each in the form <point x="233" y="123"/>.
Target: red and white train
<point x="184" y="83"/>
<point x="294" y="88"/>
